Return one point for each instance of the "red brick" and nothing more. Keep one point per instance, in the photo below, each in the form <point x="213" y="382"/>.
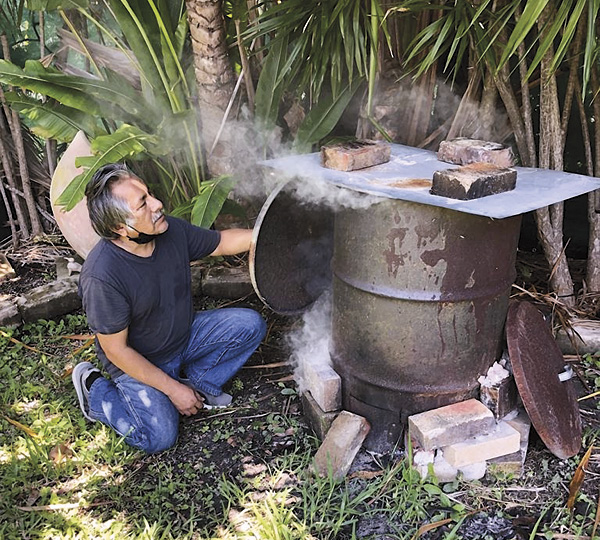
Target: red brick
<point x="462" y="151"/>
<point x="341" y="444"/>
<point x="324" y="384"/>
<point x="473" y="181"/>
<point x="355" y="155"/>
<point x="319" y="420"/>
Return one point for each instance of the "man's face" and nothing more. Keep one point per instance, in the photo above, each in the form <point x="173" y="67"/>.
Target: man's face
<point x="146" y="210"/>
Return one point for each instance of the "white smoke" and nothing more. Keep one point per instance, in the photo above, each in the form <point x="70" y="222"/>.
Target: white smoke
<point x="310" y="342"/>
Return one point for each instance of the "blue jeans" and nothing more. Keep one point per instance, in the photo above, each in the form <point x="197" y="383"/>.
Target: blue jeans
<point x="220" y="343"/>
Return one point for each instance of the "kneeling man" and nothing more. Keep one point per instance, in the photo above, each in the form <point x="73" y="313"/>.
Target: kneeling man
<point x="162" y="358"/>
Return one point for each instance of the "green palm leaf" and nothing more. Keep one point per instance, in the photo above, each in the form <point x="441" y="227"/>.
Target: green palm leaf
<point x="526" y="22"/>
<point x="269" y="90"/>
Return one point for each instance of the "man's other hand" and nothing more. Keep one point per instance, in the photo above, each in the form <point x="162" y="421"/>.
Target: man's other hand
<point x="186" y="400"/>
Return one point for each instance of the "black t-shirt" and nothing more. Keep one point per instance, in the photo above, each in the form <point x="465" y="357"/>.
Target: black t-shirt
<point x="150" y="296"/>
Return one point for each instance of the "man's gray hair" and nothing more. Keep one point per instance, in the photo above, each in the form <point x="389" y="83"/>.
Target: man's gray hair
<point x="107" y="211"/>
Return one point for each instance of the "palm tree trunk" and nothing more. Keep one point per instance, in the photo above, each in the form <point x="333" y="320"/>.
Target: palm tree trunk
<point x="549" y="220"/>
<point x="214" y="75"/>
<point x="593" y="262"/>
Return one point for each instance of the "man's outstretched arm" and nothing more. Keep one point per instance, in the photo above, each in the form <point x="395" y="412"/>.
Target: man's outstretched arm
<point x="186" y="400"/>
<point x="233" y="241"/>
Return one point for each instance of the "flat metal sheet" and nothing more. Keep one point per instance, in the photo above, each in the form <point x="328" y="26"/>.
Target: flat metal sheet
<point x="408" y="176"/>
<point x="537" y="362"/>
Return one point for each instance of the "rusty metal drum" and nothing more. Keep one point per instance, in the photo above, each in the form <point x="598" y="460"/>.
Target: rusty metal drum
<point x="420" y="296"/>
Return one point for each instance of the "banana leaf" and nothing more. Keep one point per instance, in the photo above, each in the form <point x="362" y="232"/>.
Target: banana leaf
<point x="210" y="200"/>
<point x="52" y="120"/>
<point x="323" y="118"/>
<point x="127" y="142"/>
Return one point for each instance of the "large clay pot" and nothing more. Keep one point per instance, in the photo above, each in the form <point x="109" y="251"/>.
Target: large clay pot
<point x="75" y="224"/>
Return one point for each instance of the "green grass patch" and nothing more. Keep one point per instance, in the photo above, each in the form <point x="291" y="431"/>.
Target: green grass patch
<point x="244" y="473"/>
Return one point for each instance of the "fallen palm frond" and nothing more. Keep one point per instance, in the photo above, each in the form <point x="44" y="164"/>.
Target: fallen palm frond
<point x="578" y="478"/>
<point x="22" y="427"/>
<point x="589" y="396"/>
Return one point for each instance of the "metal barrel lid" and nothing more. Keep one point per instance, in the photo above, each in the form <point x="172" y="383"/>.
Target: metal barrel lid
<point x="291" y="251"/>
<point x="538" y="367"/>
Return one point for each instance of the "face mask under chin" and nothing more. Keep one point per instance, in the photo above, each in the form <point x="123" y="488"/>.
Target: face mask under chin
<point x="142" y="238"/>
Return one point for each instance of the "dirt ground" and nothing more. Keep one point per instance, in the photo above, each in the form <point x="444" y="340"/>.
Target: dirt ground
<point x="227" y="442"/>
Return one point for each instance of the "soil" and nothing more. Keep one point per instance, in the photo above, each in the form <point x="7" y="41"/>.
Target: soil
<point x="205" y="453"/>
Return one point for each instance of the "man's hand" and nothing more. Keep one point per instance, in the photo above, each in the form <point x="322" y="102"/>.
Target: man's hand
<point x="186" y="400"/>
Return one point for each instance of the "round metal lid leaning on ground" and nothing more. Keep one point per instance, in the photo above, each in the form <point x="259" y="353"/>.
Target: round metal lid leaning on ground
<point x="292" y="247"/>
<point x="538" y="367"/>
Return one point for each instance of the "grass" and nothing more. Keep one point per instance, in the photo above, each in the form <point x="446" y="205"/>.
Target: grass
<point x="243" y="473"/>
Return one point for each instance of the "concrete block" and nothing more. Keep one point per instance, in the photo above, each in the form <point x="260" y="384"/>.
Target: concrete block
<point x="6" y="269"/>
<point x="498" y="391"/>
<point x="231" y="283"/>
<point x="51" y="300"/>
<point x="341" y="444"/>
<point x="196" y="273"/>
<point x="582" y="338"/>
<point x="354" y="155"/>
<point x="450" y="424"/>
<point x="319" y="420"/>
<point x="473" y="181"/>
<point x="9" y="314"/>
<point x="462" y="151"/>
<point x="503" y="440"/>
<point x="324" y="384"/>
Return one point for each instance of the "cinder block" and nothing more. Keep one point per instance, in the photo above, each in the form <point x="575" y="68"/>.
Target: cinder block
<point x="196" y="275"/>
<point x="341" y="444"/>
<point x="473" y="181"/>
<point x="9" y="314"/>
<point x="502" y="441"/>
<point x="52" y="300"/>
<point x="450" y="424"/>
<point x="462" y="151"/>
<point x="6" y="269"/>
<point x="324" y="384"/>
<point x="231" y="283"/>
<point x="499" y="394"/>
<point x="354" y="155"/>
<point x="319" y="420"/>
